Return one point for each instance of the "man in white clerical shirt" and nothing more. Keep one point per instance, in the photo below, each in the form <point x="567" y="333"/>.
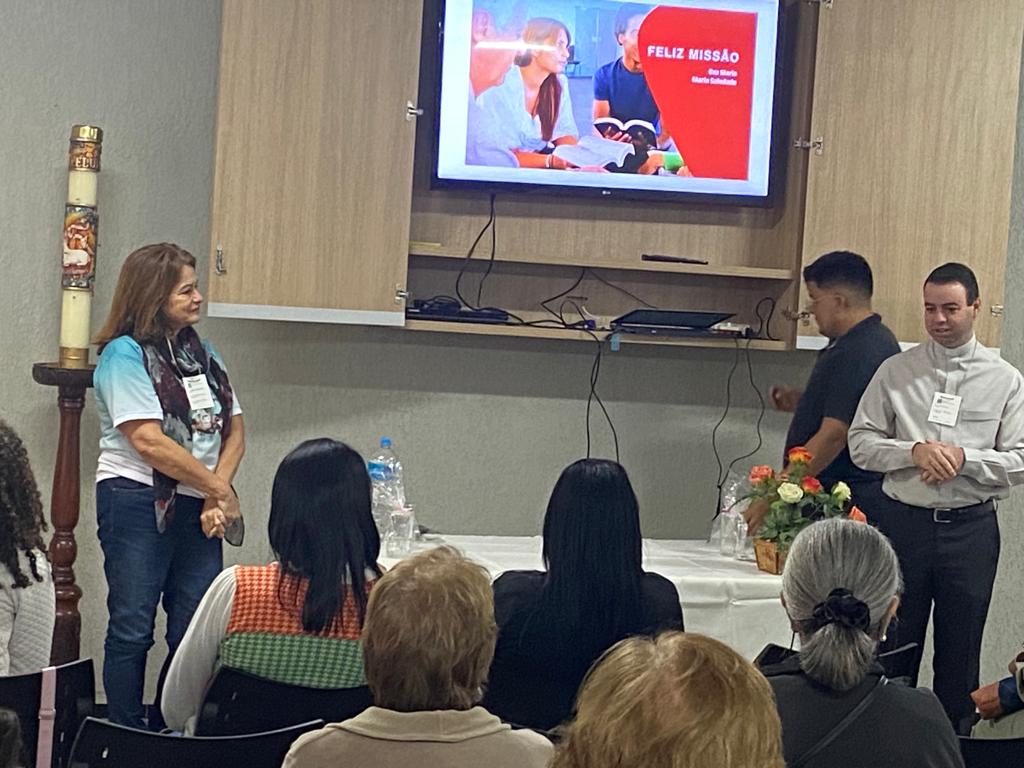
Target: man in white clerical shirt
<point x="944" y="422"/>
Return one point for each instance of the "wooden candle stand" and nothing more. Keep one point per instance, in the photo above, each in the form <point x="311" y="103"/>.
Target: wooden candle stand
<point x="71" y="384"/>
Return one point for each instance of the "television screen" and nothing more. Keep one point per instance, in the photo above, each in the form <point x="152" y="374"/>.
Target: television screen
<point x="609" y="97"/>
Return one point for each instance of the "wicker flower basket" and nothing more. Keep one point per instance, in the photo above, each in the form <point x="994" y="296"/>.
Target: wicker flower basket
<point x="769" y="558"/>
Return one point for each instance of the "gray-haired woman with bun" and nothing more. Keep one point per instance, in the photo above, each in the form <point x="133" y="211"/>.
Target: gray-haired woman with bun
<point x="841" y="588"/>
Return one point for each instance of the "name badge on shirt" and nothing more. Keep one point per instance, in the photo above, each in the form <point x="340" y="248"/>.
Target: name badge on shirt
<point x="945" y="409"/>
<point x="198" y="390"/>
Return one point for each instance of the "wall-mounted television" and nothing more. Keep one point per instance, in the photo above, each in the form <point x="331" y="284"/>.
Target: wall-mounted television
<point x="674" y="100"/>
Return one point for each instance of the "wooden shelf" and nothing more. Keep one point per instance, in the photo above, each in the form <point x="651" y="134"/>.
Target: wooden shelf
<point x="709" y="270"/>
<point x="567" y="334"/>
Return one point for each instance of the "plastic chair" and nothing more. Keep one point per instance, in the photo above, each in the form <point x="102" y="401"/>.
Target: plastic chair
<point x="237" y="702"/>
<point x="74" y="700"/>
<point x="102" y="744"/>
<point x="900" y="664"/>
<point x="991" y="753"/>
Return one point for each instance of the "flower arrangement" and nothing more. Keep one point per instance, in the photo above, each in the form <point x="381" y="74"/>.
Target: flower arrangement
<point x="797" y="499"/>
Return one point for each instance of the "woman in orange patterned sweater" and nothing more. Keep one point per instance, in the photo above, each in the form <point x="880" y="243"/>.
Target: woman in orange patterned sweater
<point x="297" y="620"/>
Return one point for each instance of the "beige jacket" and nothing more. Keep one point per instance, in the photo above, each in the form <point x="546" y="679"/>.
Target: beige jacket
<point x="383" y="738"/>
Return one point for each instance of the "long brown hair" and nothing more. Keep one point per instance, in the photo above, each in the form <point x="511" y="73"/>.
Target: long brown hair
<point x="21" y="510"/>
<point x="549" y="96"/>
<point x="148" y="276"/>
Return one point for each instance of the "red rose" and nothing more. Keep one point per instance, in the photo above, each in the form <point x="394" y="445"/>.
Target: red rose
<point x="761" y="473"/>
<point x="798" y="455"/>
<point x="811" y="485"/>
<point x="856" y="514"/>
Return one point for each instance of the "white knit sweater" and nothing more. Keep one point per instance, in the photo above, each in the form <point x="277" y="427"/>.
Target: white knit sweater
<point x="26" y="618"/>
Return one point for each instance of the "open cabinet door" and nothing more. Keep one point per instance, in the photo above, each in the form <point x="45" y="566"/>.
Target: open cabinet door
<point x="314" y="154"/>
<point x="915" y="104"/>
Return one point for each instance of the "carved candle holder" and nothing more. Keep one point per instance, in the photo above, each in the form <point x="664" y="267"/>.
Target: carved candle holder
<point x="65" y="500"/>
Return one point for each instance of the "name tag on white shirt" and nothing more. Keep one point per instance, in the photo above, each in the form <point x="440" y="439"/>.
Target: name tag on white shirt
<point x="199" y="396"/>
<point x="945" y="409"/>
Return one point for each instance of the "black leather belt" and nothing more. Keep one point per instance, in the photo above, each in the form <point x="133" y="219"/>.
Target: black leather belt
<point x="957" y="514"/>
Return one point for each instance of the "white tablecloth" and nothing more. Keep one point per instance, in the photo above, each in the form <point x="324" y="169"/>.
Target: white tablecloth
<point x="726" y="599"/>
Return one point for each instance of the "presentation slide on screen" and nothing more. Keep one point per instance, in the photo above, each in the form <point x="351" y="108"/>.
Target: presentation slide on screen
<point x="672" y="97"/>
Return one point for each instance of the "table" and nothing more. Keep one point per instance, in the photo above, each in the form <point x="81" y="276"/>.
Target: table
<point x="727" y="599"/>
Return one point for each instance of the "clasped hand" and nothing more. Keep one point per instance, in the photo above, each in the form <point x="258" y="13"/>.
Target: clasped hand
<point x="938" y="461"/>
<point x="217" y="513"/>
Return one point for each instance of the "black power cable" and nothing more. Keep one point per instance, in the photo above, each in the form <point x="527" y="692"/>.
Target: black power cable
<point x="469" y="257"/>
<point x="764" y="327"/>
<point x="760" y="419"/>
<point x="724" y="469"/>
<point x="593" y="273"/>
<point x="595" y="373"/>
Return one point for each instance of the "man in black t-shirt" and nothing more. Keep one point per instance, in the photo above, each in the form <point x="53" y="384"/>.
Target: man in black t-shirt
<point x="839" y="285"/>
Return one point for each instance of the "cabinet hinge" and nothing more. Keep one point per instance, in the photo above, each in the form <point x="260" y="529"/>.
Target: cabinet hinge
<point x="817" y="144"/>
<point x="401" y="295"/>
<point x="802" y="316"/>
<point x="218" y="261"/>
<point x="412" y="111"/>
<point x="996" y="310"/>
<point x="822" y="3"/>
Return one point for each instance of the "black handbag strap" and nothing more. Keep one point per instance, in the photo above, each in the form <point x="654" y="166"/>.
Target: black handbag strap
<point x="842" y="725"/>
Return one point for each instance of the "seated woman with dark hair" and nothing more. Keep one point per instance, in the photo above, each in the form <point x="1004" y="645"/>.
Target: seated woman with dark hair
<point x="27" y="603"/>
<point x="297" y="620"/>
<point x="553" y="624"/>
<point x="841" y="588"/>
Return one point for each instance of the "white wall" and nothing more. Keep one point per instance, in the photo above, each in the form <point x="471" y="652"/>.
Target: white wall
<point x="483" y="425"/>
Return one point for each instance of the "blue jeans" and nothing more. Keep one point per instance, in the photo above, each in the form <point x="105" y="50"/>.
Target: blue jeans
<point x="142" y="565"/>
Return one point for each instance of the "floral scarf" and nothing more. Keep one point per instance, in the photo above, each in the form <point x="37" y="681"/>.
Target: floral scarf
<point x="166" y="372"/>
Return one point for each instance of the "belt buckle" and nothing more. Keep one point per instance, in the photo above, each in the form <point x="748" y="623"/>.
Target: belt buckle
<point x="942" y="515"/>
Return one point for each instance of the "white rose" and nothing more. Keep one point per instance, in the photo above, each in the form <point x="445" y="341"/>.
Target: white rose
<point x="790" y="493"/>
<point x="841" y="491"/>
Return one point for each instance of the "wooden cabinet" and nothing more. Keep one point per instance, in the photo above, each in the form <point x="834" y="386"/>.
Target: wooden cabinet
<point x="320" y="212"/>
<point x="916" y="106"/>
<point x="314" y="158"/>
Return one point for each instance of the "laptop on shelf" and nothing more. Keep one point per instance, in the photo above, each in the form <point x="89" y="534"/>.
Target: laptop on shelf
<point x="672" y="322"/>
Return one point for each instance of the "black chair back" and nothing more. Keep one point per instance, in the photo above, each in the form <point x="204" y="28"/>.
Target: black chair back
<point x="75" y="700"/>
<point x="102" y="744"/>
<point x="900" y="664"/>
<point x="991" y="753"/>
<point x="237" y="702"/>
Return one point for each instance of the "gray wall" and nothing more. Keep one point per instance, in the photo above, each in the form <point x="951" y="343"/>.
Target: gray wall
<point x="483" y="425"/>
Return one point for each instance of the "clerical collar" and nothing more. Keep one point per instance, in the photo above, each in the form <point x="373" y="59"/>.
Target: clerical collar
<point x="966" y="349"/>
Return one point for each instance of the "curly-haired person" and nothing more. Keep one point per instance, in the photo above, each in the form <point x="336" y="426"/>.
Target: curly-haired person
<point x="27" y="605"/>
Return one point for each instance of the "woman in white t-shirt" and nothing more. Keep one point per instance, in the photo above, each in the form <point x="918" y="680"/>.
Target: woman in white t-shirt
<point x="171" y="440"/>
<point x="532" y="104"/>
<point x="27" y="607"/>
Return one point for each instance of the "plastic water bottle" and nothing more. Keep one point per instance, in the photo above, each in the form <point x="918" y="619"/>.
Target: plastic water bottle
<point x="388" y="482"/>
<point x="730" y="521"/>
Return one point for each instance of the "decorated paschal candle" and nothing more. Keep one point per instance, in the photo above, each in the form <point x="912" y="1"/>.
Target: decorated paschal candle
<point x="81" y="228"/>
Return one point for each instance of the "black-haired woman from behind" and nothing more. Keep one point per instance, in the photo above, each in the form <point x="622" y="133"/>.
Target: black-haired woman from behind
<point x="27" y="602"/>
<point x="299" y="619"/>
<point x="553" y="624"/>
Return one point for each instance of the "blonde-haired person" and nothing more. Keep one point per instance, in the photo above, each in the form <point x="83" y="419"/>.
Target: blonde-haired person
<point x="171" y="439"/>
<point x="677" y="700"/>
<point x="841" y="588"/>
<point x="427" y="645"/>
